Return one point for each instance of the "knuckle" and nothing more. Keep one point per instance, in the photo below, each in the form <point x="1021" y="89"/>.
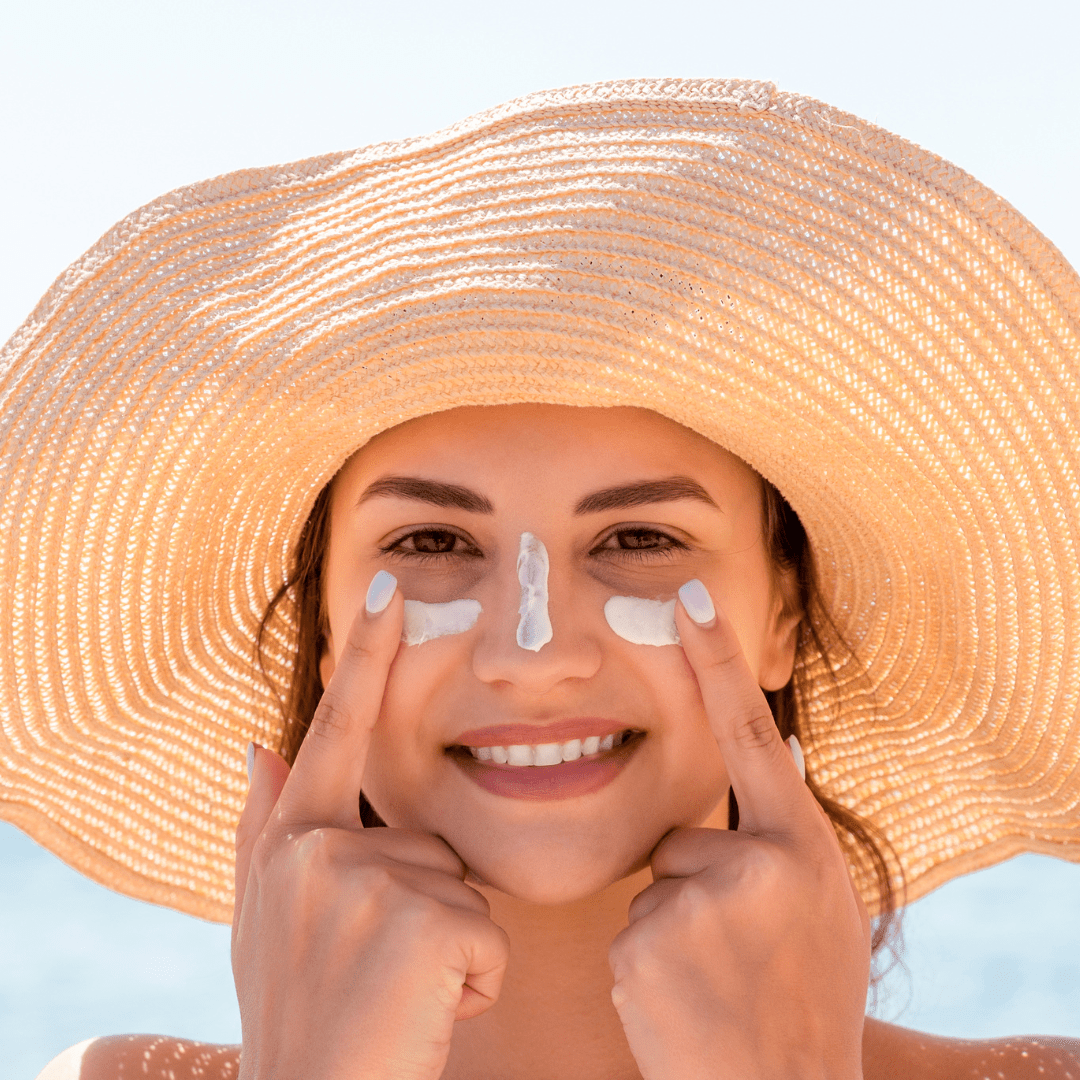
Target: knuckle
<point x="760" y="871"/>
<point x="315" y="851"/>
<point x="271" y="872"/>
<point x="695" y="902"/>
<point x="756" y="729"/>
<point x="420" y="916"/>
<point x="375" y="880"/>
<point x="358" y="647"/>
<point x="722" y="654"/>
<point x="331" y="720"/>
<point x="621" y="954"/>
<point x="632" y="955"/>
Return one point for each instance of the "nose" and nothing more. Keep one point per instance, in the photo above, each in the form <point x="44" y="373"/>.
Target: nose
<point x="573" y="651"/>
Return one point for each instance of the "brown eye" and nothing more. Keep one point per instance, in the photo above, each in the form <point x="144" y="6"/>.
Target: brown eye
<point x="638" y="542"/>
<point x="433" y="542"/>
<point x="639" y="539"/>
<point x="432" y="545"/>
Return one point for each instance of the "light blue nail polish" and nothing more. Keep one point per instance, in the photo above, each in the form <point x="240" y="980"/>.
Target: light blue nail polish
<point x="250" y="759"/>
<point x="698" y="603"/>
<point x="797" y="754"/>
<point x="380" y="592"/>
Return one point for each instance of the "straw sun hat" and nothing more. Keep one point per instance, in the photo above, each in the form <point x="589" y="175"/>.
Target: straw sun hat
<point x="879" y="335"/>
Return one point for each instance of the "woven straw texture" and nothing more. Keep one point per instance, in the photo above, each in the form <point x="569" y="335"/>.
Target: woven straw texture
<point x="874" y="331"/>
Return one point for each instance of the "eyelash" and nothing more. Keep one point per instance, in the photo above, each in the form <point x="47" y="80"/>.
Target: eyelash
<point x="395" y="550"/>
<point x="644" y="554"/>
<point x="641" y="554"/>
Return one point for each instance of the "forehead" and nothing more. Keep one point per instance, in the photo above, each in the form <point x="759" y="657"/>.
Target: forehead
<point x="547" y="449"/>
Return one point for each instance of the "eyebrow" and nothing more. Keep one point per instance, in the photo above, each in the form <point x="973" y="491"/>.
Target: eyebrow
<point x="639" y="493"/>
<point x="670" y="489"/>
<point x="429" y="491"/>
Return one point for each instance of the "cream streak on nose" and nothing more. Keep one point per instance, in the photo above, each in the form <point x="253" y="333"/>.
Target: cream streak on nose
<point x="534" y="626"/>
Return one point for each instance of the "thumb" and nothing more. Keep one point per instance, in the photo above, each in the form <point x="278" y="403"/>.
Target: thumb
<point x="268" y="775"/>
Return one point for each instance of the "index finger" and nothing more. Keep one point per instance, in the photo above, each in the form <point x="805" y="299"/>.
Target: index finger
<point x="325" y="781"/>
<point x="770" y="791"/>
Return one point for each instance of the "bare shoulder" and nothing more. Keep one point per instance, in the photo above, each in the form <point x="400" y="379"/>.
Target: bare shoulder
<point x="891" y="1052"/>
<point x="152" y="1057"/>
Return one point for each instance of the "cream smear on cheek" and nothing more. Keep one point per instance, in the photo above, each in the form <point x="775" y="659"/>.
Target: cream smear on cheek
<point x="534" y="626"/>
<point x="642" y="622"/>
<point x="423" y="622"/>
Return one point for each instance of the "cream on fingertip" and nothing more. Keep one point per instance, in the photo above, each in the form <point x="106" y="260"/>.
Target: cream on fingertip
<point x="380" y="592"/>
<point x="797" y="754"/>
<point x="697" y="602"/>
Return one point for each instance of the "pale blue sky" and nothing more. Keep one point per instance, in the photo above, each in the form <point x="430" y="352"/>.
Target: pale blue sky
<point x="105" y="105"/>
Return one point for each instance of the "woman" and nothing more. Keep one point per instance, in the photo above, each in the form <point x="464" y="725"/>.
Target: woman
<point x="686" y="416"/>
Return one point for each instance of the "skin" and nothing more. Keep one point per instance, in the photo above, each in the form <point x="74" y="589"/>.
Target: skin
<point x="560" y="876"/>
<point x="622" y="934"/>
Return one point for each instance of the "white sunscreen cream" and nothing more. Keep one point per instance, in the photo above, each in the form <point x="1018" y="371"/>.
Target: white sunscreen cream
<point x="534" y="626"/>
<point x="642" y="622"/>
<point x="426" y="621"/>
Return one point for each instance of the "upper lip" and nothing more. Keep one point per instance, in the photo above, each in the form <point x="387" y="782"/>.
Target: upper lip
<point x="561" y="731"/>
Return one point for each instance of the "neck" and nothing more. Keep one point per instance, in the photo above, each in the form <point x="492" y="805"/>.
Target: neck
<point x="554" y="1016"/>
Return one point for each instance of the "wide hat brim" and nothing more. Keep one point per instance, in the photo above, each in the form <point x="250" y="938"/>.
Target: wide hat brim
<point x="877" y="333"/>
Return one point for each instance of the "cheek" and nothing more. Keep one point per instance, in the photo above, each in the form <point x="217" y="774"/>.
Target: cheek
<point x="422" y="703"/>
<point x="407" y="740"/>
<point x="690" y="752"/>
<point x="668" y="675"/>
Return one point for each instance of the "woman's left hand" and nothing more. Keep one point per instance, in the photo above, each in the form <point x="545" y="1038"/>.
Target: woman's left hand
<point x="749" y="955"/>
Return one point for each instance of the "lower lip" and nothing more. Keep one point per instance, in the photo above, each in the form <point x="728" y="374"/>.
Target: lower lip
<point x="539" y="782"/>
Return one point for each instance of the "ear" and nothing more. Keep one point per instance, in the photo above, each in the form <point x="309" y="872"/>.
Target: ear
<point x="782" y="634"/>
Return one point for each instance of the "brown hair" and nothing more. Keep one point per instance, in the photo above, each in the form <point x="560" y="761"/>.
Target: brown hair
<point x="789" y="551"/>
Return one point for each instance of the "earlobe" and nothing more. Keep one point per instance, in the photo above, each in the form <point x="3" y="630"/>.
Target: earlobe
<point x="778" y="658"/>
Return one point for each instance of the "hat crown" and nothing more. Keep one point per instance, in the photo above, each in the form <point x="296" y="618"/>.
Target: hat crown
<point x="878" y="334"/>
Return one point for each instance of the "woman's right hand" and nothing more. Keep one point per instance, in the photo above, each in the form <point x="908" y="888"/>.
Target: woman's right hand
<point x="354" y="950"/>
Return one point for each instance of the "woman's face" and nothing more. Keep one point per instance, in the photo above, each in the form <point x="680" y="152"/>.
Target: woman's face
<point x="626" y="503"/>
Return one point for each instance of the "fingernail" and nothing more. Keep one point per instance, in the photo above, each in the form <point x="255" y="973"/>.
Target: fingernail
<point x="697" y="602"/>
<point x="797" y="754"/>
<point x="250" y="759"/>
<point x="380" y="592"/>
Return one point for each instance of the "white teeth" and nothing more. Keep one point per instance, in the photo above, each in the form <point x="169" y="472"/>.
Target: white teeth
<point x="571" y="751"/>
<point x="519" y="755"/>
<point x="548" y="753"/>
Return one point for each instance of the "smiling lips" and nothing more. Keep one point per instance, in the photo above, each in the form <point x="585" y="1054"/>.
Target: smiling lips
<point x="562" y="731"/>
<point x="546" y="779"/>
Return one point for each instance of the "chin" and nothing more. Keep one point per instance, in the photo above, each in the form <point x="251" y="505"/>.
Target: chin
<point x="549" y="882"/>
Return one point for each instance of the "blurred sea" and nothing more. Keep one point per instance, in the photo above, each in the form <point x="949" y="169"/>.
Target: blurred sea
<point x="994" y="953"/>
